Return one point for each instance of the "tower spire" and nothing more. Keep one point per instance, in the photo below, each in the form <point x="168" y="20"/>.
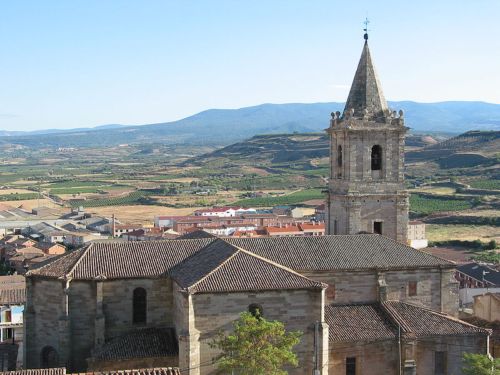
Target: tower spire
<point x="366" y="97"/>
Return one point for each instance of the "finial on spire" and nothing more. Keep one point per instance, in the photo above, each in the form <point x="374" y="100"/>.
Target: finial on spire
<point x="366" y="22"/>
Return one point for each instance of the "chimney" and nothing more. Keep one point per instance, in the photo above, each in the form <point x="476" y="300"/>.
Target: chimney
<point x="382" y="288"/>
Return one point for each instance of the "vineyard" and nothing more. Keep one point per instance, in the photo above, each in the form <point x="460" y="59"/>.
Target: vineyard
<point x="290" y="199"/>
<point x="18" y="197"/>
<point x="486" y="184"/>
<point x="426" y="205"/>
<point x="136" y="197"/>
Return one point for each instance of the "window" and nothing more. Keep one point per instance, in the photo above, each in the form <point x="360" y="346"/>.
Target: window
<point x="256" y="310"/>
<point x="350" y="366"/>
<point x="440" y="363"/>
<point x="376" y="158"/>
<point x="139" y="306"/>
<point x="335" y="227"/>
<point x="49" y="357"/>
<point x="339" y="156"/>
<point x="412" y="288"/>
<point x="377" y="227"/>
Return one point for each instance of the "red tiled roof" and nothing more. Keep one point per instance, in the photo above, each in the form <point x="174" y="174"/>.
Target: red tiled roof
<point x="380" y="321"/>
<point x="62" y="371"/>
<point x="143" y="343"/>
<point x="312" y="226"/>
<point x="222" y="267"/>
<point x="283" y="229"/>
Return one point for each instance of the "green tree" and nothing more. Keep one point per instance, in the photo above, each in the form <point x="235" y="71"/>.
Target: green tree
<point x="480" y="364"/>
<point x="256" y="347"/>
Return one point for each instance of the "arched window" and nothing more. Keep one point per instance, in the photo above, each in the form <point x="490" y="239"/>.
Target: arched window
<point x="139" y="306"/>
<point x="339" y="156"/>
<point x="256" y="310"/>
<point x="49" y="357"/>
<point x="376" y="158"/>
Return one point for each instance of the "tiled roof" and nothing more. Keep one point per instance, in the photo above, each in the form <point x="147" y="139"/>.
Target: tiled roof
<point x="15" y="296"/>
<point x="114" y="259"/>
<point x="422" y="322"/>
<point x="143" y="343"/>
<point x="62" y="371"/>
<point x="40" y="371"/>
<point x="380" y="321"/>
<point x="144" y="371"/>
<point x="222" y="267"/>
<point x="341" y="252"/>
<point x="196" y="234"/>
<point x="480" y="271"/>
<point x="358" y="323"/>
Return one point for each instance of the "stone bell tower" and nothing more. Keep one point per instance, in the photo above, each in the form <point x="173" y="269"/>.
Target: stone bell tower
<point x="366" y="191"/>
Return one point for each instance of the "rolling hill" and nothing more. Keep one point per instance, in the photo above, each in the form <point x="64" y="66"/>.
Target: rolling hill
<point x="219" y="127"/>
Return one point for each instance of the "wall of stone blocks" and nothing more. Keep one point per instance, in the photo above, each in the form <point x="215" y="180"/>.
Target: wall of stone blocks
<point x="454" y="346"/>
<point x="362" y="286"/>
<point x="82" y="312"/>
<point x="372" y="358"/>
<point x="298" y="310"/>
<point x="350" y="287"/>
<point x="118" y="298"/>
<point x="42" y="315"/>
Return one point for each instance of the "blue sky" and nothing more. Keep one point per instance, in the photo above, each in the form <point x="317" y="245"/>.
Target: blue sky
<point x="79" y="63"/>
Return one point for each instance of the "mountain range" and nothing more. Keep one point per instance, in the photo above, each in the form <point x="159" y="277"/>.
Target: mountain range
<point x="219" y="127"/>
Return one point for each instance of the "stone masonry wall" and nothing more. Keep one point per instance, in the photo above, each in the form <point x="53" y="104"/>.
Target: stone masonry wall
<point x="118" y="298"/>
<point x="373" y="358"/>
<point x="42" y="319"/>
<point x="82" y="307"/>
<point x="454" y="346"/>
<point x="298" y="310"/>
<point x="362" y="287"/>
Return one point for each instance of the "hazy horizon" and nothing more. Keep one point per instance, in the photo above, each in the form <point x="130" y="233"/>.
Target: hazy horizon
<point x="92" y="63"/>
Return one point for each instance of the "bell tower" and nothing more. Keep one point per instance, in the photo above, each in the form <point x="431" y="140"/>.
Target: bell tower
<point x="366" y="192"/>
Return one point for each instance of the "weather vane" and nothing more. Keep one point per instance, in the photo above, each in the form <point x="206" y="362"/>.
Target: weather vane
<point x="366" y="22"/>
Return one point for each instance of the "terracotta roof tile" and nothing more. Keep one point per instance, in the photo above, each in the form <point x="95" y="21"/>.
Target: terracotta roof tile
<point x="423" y="322"/>
<point x="221" y="267"/>
<point x="156" y="258"/>
<point x="15" y="296"/>
<point x="143" y="343"/>
<point x="358" y="323"/>
<point x="62" y="371"/>
<point x="380" y="321"/>
<point x="41" y="371"/>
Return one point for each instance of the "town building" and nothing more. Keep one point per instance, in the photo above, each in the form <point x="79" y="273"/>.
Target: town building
<point x="416" y="235"/>
<point x="12" y="300"/>
<point x="87" y="301"/>
<point x="366" y="191"/>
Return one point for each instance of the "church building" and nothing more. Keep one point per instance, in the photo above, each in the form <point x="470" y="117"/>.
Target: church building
<point x="366" y="303"/>
<point x="366" y="191"/>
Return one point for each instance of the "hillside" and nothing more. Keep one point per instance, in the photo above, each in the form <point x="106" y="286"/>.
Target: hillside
<point x="282" y="148"/>
<point x="219" y="127"/>
<point x="466" y="150"/>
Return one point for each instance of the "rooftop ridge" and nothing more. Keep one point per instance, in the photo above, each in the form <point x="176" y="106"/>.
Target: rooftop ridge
<point x="216" y="268"/>
<point x="72" y="269"/>
<point x="323" y="285"/>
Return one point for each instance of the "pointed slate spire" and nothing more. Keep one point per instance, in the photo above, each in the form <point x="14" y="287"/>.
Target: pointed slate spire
<point x="366" y="97"/>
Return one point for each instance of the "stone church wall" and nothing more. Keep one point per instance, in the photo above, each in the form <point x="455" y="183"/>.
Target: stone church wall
<point x="372" y="358"/>
<point x="118" y="298"/>
<point x="453" y="346"/>
<point x="434" y="288"/>
<point x="43" y="310"/>
<point x="82" y="311"/>
<point x="297" y="309"/>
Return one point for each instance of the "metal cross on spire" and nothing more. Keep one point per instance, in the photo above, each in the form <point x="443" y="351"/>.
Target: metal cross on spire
<point x="366" y="22"/>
